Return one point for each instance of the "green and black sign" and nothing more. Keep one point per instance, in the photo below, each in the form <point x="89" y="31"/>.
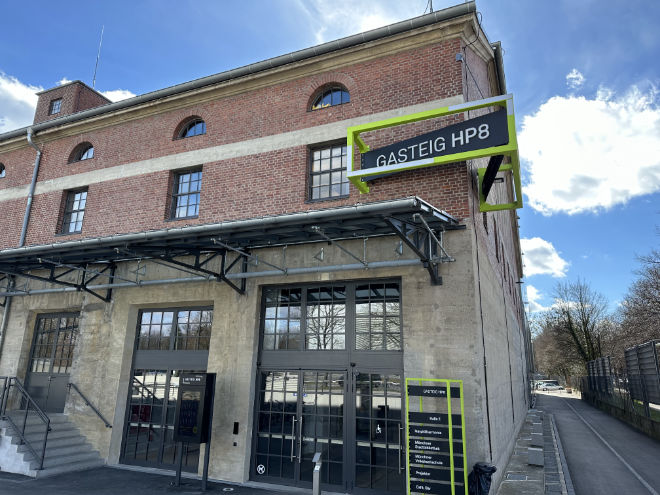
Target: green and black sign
<point x="436" y="437"/>
<point x="486" y="131"/>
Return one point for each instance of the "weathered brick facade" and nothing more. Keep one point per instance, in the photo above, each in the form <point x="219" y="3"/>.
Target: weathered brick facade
<point x="76" y="96"/>
<point x="255" y="161"/>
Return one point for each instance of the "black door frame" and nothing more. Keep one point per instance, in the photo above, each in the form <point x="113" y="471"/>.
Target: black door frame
<point x="167" y="360"/>
<point x="348" y="360"/>
<point x="60" y="377"/>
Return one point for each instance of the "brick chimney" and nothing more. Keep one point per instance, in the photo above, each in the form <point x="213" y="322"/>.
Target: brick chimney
<point x="67" y="99"/>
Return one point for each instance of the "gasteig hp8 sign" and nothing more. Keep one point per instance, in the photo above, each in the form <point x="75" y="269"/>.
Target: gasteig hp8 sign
<point x="481" y="132"/>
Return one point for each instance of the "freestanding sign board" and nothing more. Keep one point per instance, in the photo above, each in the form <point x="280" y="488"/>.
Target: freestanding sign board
<point x="436" y="437"/>
<point x="193" y="408"/>
<point x="193" y="417"/>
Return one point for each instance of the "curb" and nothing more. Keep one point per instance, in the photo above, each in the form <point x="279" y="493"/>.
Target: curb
<point x="565" y="475"/>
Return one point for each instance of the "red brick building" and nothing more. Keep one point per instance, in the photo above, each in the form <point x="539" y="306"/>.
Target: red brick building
<point x="210" y="226"/>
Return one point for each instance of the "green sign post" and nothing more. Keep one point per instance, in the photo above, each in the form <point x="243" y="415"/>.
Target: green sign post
<point x="436" y="462"/>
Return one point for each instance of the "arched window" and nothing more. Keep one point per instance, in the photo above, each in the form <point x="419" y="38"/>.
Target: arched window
<point x="331" y="96"/>
<point x="192" y="127"/>
<point x="2" y="171"/>
<point x="84" y="151"/>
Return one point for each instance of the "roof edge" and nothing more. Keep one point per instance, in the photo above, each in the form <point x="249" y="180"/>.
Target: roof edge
<point x="271" y="63"/>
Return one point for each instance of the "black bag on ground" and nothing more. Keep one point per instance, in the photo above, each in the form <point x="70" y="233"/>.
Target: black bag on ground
<point x="479" y="479"/>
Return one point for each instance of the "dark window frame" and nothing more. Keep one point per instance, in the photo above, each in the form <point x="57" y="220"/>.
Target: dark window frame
<point x="3" y="171"/>
<point x="274" y="313"/>
<point x="315" y="169"/>
<point x="55" y="106"/>
<point x="82" y="152"/>
<point x="71" y="208"/>
<point x="195" y="126"/>
<point x="330" y="96"/>
<point x="173" y="337"/>
<point x="176" y="194"/>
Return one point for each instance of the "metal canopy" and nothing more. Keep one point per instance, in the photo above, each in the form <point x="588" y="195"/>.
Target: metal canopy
<point x="416" y="222"/>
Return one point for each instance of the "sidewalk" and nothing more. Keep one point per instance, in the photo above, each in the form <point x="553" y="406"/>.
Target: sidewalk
<point x="113" y="481"/>
<point x="538" y="443"/>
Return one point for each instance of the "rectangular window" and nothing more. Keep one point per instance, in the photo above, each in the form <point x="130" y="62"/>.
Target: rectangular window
<point x="377" y="317"/>
<point x="326" y="318"/>
<point x="55" y="106"/>
<point x="328" y="172"/>
<point x="74" y="211"/>
<point x="175" y="330"/>
<point x="185" y="196"/>
<point x="317" y="318"/>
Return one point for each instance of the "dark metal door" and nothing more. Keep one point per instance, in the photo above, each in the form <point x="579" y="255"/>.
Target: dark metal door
<point x="378" y="437"/>
<point x="51" y="357"/>
<point x="300" y="413"/>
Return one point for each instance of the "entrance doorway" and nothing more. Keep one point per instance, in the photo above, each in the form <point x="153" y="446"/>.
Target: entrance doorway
<point x="51" y="357"/>
<point x="168" y="342"/>
<point x="330" y="381"/>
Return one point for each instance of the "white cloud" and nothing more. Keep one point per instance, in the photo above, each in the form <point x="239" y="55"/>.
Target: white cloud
<point x="541" y="258"/>
<point x="534" y="297"/>
<point x="63" y="81"/>
<point x="17" y="103"/>
<point x="574" y="79"/>
<point x="590" y="154"/>
<point x="118" y="94"/>
<point x="339" y="18"/>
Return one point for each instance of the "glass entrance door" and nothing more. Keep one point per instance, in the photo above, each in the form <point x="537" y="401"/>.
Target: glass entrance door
<point x="300" y="413"/>
<point x="379" y="435"/>
<point x="330" y="381"/>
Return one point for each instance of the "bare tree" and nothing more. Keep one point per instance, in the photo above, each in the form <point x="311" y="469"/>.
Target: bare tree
<point x="640" y="309"/>
<point x="550" y="357"/>
<point x="579" y="320"/>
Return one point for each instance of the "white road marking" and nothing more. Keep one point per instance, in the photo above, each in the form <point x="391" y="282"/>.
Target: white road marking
<point x="630" y="468"/>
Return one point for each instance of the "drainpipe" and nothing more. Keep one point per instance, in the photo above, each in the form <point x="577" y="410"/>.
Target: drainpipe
<point x="35" y="172"/>
<point x="21" y="242"/>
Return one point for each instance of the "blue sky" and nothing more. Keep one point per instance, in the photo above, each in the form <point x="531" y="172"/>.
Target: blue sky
<point x="584" y="75"/>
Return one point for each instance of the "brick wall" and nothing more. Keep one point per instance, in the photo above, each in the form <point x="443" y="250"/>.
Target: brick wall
<point x="255" y="185"/>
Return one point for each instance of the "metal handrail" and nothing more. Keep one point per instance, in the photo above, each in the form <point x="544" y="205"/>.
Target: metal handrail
<point x="87" y="402"/>
<point x="10" y="381"/>
<point x="144" y="387"/>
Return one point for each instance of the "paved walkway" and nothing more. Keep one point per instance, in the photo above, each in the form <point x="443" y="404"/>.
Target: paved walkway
<point x="586" y="452"/>
<point x="537" y="466"/>
<point x="113" y="481"/>
<point x="605" y="456"/>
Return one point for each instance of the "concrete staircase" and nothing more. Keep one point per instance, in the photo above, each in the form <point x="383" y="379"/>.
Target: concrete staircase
<point x="66" y="449"/>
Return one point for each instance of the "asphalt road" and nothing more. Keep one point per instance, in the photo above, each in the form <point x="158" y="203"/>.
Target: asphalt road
<point x="604" y="455"/>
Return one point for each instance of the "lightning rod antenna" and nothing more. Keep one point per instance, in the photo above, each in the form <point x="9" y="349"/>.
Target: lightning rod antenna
<point x="98" y="56"/>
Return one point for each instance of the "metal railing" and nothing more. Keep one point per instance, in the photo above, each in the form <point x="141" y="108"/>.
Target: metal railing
<point x="15" y="398"/>
<point x="87" y="402"/>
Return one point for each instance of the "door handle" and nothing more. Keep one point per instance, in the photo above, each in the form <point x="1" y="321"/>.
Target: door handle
<point x="300" y="440"/>
<point x="400" y="447"/>
<point x="293" y="436"/>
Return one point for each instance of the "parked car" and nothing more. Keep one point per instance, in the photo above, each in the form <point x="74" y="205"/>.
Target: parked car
<point x="551" y="385"/>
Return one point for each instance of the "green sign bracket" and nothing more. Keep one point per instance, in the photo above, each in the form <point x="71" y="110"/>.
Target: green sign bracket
<point x="510" y="150"/>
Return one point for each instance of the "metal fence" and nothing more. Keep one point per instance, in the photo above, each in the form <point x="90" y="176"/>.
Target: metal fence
<point x="600" y="375"/>
<point x="615" y="390"/>
<point x="643" y="369"/>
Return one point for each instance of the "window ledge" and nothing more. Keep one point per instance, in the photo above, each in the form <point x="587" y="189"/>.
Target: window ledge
<point x="322" y="200"/>
<point x="176" y="219"/>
